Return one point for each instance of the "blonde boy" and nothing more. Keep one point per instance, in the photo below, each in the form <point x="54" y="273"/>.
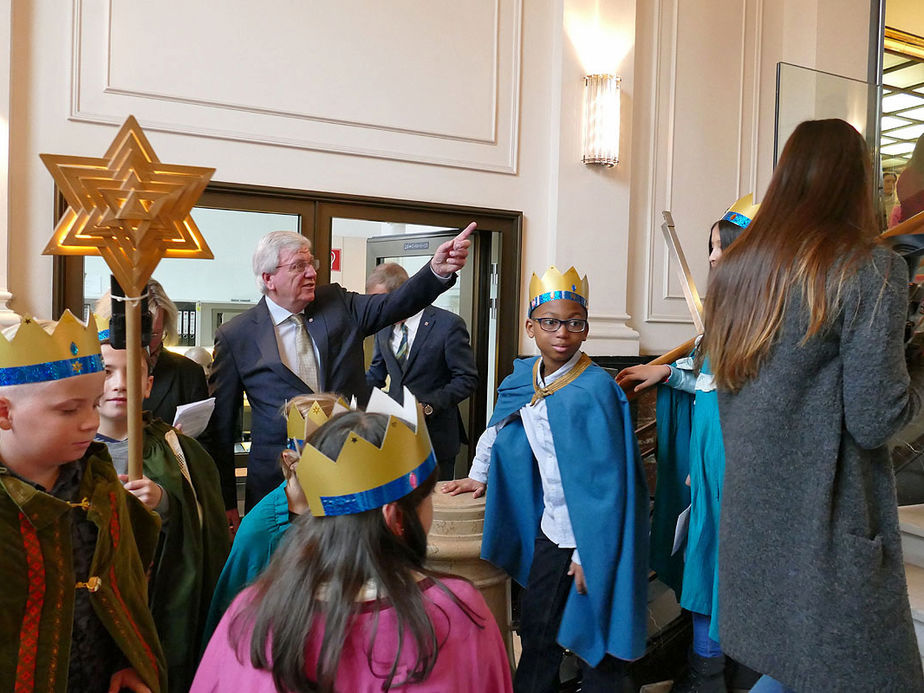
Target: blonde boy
<point x="75" y="546"/>
<point x="181" y="484"/>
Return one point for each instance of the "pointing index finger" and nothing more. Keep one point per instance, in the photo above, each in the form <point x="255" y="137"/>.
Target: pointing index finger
<point x="466" y="232"/>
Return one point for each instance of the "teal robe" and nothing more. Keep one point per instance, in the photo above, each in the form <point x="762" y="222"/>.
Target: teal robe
<point x="672" y="495"/>
<point x="255" y="543"/>
<point x="707" y="474"/>
<point x="607" y="498"/>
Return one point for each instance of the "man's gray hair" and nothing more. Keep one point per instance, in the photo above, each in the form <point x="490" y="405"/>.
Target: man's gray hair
<point x="389" y="275"/>
<point x="270" y="248"/>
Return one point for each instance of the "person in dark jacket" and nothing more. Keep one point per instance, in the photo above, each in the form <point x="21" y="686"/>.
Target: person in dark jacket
<point x="428" y="353"/>
<point x="804" y="329"/>
<point x="300" y="338"/>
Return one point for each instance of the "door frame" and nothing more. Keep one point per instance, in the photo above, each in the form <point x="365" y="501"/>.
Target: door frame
<point x="317" y="209"/>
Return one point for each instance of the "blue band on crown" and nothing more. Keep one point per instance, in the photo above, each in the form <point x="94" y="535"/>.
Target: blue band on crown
<point x="555" y="296"/>
<point x="54" y="370"/>
<point x="352" y="503"/>
<point x="737" y="219"/>
<point x="104" y="335"/>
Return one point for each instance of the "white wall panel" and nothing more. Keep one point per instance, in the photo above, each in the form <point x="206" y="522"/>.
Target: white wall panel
<point x="434" y="82"/>
<point x="702" y="120"/>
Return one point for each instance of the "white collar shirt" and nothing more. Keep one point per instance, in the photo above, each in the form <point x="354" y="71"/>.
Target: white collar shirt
<point x="555" y="522"/>
<point x="286" y="331"/>
<point x="413" y="323"/>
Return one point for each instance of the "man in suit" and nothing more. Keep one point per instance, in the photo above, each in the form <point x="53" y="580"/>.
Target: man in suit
<point x="430" y="354"/>
<point x="300" y="338"/>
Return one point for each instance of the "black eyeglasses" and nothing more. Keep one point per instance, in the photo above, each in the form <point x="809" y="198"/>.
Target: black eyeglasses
<point x="300" y="266"/>
<point x="553" y="324"/>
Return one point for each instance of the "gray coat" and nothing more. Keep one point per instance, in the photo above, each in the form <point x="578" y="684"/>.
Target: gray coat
<point x="812" y="584"/>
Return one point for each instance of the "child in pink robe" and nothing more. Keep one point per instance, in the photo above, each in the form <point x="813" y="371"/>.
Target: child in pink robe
<point x="356" y="570"/>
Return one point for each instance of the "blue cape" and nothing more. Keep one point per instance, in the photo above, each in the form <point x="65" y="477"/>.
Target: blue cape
<point x="672" y="495"/>
<point x="607" y="497"/>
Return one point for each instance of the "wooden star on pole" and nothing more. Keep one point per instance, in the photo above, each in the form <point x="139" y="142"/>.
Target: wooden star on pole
<point x="128" y="207"/>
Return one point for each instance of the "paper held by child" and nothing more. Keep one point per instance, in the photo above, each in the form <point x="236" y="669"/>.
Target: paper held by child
<point x="192" y="418"/>
<point x="681" y="530"/>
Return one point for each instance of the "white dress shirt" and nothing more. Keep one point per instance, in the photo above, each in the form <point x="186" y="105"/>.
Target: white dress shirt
<point x="555" y="523"/>
<point x="286" y="331"/>
<point x="412" y="323"/>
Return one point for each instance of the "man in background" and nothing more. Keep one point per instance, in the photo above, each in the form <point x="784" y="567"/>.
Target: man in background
<point x="300" y="338"/>
<point x="430" y="354"/>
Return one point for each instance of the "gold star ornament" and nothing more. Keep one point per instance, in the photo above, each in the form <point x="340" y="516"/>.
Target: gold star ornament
<point x="128" y="207"/>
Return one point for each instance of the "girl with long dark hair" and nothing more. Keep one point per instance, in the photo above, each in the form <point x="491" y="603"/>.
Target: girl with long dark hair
<point x="804" y="328"/>
<point x="347" y="603"/>
<point x="706" y="671"/>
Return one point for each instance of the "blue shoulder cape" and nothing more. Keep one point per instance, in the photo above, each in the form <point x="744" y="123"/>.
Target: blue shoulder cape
<point x="672" y="495"/>
<point x="607" y="499"/>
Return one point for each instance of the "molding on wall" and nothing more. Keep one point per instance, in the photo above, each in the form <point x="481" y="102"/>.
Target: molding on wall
<point x="609" y="334"/>
<point x="662" y="140"/>
<point x="8" y="316"/>
<point x="757" y="42"/>
<point x="664" y="301"/>
<point x="605" y="326"/>
<point x="94" y="99"/>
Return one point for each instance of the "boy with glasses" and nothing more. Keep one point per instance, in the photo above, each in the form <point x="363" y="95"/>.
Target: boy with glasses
<point x="567" y="504"/>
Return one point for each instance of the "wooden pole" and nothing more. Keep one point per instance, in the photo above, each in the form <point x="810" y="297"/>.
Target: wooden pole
<point x="133" y="374"/>
<point x="912" y="225"/>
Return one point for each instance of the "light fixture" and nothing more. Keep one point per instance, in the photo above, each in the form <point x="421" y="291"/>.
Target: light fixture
<point x="601" y="120"/>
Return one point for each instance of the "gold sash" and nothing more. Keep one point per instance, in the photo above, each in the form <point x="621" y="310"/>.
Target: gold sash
<point x="567" y="379"/>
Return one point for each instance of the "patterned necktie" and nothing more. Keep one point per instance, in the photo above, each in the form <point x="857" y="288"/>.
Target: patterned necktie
<point x="401" y="351"/>
<point x="307" y="363"/>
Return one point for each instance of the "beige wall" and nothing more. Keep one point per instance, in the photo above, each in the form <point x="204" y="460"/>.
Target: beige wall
<point x="905" y="15"/>
<point x="465" y="103"/>
<point x="703" y="129"/>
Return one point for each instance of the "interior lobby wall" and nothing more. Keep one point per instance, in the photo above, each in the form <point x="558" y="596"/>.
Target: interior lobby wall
<point x="905" y="15"/>
<point x="703" y="126"/>
<point x="476" y="103"/>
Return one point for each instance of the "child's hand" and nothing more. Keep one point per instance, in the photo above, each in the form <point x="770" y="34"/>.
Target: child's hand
<point x="644" y="375"/>
<point x="578" y="572"/>
<point x="454" y="488"/>
<point x="127" y="678"/>
<point x="144" y="490"/>
<point x="298" y="504"/>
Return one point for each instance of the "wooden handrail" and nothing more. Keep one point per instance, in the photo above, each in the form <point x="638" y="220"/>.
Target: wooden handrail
<point x="913" y="225"/>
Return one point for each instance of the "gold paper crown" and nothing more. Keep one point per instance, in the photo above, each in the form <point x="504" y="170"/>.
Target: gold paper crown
<point x="366" y="476"/>
<point x="742" y="212"/>
<point x="102" y="326"/>
<point x="555" y="285"/>
<point x="35" y="356"/>
<point x="301" y="427"/>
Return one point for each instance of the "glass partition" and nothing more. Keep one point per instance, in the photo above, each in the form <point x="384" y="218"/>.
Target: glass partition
<point x="805" y="94"/>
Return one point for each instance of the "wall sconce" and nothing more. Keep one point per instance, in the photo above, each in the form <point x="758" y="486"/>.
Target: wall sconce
<point x="601" y="120"/>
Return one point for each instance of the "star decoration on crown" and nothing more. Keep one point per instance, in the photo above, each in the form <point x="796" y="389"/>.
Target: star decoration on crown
<point x="128" y="207"/>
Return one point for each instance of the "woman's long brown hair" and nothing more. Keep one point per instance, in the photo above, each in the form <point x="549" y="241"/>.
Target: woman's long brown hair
<point x="814" y="225"/>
